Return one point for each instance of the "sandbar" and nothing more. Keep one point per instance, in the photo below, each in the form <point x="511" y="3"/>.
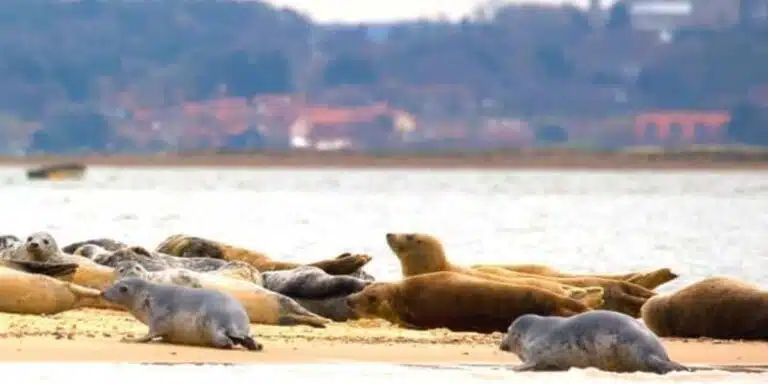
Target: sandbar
<point x="91" y="335"/>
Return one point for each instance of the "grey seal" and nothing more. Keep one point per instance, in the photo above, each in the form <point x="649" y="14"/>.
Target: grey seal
<point x="8" y="241"/>
<point x="182" y="315"/>
<point x="152" y="261"/>
<point x="39" y="247"/>
<point x="308" y="282"/>
<point x="606" y="340"/>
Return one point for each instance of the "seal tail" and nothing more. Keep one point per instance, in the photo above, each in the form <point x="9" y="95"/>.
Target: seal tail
<point x="48" y="269"/>
<point x="248" y="342"/>
<point x="83" y="292"/>
<point x="313" y="321"/>
<point x="662" y="366"/>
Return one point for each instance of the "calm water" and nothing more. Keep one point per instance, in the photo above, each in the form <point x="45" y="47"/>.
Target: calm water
<point x="697" y="223"/>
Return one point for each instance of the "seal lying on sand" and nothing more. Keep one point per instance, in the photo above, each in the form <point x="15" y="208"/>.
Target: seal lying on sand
<point x="460" y="303"/>
<point x="262" y="305"/>
<point x="182" y="315"/>
<point x="605" y="340"/>
<point x="31" y="288"/>
<point x="152" y="261"/>
<point x="105" y="243"/>
<point x="191" y="246"/>
<point x="308" y="282"/>
<point x="42" y="247"/>
<point x="716" y="307"/>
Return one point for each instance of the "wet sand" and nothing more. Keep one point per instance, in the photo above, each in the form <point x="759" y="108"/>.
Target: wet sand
<point x="690" y="159"/>
<point x="94" y="335"/>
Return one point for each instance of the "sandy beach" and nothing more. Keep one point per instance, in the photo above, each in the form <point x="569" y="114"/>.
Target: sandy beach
<point x="94" y="336"/>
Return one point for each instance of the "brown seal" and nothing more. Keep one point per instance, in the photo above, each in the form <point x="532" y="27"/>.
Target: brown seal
<point x="191" y="246"/>
<point x="32" y="288"/>
<point x="460" y="302"/>
<point x="716" y="307"/>
<point x="421" y="253"/>
<point x="649" y="280"/>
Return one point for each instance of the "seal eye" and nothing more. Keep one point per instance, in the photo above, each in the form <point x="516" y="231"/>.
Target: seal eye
<point x="123" y="289"/>
<point x="45" y="241"/>
<point x="29" y="239"/>
<point x="409" y="237"/>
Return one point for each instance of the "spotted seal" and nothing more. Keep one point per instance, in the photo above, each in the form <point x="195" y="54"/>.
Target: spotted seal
<point x="308" y="282"/>
<point x="183" y="315"/>
<point x="262" y="305"/>
<point x="103" y="242"/>
<point x="606" y="340"/>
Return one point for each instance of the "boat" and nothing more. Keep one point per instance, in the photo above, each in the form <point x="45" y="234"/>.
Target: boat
<point x="63" y="171"/>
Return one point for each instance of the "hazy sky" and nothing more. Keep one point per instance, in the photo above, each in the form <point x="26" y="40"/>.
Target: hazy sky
<point x="388" y="10"/>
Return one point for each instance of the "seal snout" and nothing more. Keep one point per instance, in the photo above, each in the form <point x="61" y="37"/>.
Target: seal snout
<point x="391" y="236"/>
<point x="33" y="245"/>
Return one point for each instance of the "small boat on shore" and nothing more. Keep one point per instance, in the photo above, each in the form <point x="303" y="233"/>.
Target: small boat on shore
<point x="63" y="171"/>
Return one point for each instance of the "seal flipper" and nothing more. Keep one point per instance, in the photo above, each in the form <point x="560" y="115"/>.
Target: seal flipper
<point x="48" y="269"/>
<point x="247" y="341"/>
<point x="531" y="367"/>
<point x="662" y="366"/>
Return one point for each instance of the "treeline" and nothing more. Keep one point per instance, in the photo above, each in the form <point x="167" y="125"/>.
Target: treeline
<point x="59" y="61"/>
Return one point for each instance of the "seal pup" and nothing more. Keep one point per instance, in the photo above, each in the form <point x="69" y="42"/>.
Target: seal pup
<point x="262" y="305"/>
<point x="717" y="307"/>
<point x="32" y="288"/>
<point x="182" y="315"/>
<point x="103" y="242"/>
<point x="191" y="246"/>
<point x="460" y="302"/>
<point x="606" y="340"/>
<point x="308" y="282"/>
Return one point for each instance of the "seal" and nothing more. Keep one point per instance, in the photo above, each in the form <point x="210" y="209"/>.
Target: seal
<point x="190" y="246"/>
<point x="8" y="241"/>
<point x="32" y="288"/>
<point x="421" y="253"/>
<point x="42" y="247"/>
<point x="717" y="307"/>
<point x="155" y="261"/>
<point x="648" y="280"/>
<point x="308" y="282"/>
<point x="335" y="308"/>
<point x="459" y="302"/>
<point x="262" y="305"/>
<point x="103" y="242"/>
<point x="182" y="315"/>
<point x="605" y="340"/>
<point x="619" y="296"/>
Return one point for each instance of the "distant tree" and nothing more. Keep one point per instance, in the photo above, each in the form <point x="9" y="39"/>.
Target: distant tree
<point x="349" y="70"/>
<point x="550" y="134"/>
<point x="551" y="58"/>
<point x="70" y="130"/>
<point x="619" y="17"/>
<point x="748" y="124"/>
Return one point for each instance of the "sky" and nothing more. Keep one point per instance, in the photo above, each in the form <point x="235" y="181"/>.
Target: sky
<point x="392" y="10"/>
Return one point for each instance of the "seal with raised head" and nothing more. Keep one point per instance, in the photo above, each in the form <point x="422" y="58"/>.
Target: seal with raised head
<point x="460" y="302"/>
<point x="182" y="315"/>
<point x="606" y="340"/>
<point x="42" y="247"/>
<point x="422" y="253"/>
<point x="103" y="242"/>
<point x="33" y="288"/>
<point x="262" y="305"/>
<point x="192" y="246"/>
<point x="308" y="282"/>
<point x="717" y="307"/>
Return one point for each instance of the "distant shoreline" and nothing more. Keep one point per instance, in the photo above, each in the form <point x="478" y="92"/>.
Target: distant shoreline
<point x="689" y="159"/>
